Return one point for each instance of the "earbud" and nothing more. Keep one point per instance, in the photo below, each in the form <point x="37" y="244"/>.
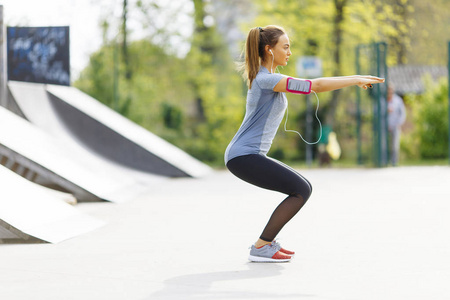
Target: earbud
<point x="270" y="50"/>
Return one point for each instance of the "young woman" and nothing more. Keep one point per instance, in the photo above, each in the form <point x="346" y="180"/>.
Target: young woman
<point x="266" y="49"/>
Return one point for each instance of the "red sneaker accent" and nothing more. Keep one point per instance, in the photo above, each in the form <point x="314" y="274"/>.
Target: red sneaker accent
<point x="287" y="251"/>
<point x="280" y="255"/>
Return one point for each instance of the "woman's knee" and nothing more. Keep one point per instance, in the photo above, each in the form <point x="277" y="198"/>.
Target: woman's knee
<point x="304" y="188"/>
<point x="310" y="191"/>
<point x="304" y="193"/>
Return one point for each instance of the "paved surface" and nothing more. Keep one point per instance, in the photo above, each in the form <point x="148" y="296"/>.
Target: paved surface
<point x="364" y="234"/>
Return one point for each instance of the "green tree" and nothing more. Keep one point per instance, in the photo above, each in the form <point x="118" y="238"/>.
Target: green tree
<point x="216" y="86"/>
<point x="430" y="115"/>
<point x="194" y="102"/>
<point x="431" y="31"/>
<point x="399" y="16"/>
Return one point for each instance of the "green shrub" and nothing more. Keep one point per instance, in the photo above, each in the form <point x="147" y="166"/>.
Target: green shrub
<point x="430" y="115"/>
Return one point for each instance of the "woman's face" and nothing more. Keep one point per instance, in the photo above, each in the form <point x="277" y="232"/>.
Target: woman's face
<point x="281" y="51"/>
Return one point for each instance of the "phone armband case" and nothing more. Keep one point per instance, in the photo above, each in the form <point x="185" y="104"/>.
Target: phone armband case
<point x="298" y="86"/>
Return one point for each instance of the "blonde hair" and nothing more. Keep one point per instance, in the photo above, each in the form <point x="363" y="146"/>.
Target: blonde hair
<point x="257" y="40"/>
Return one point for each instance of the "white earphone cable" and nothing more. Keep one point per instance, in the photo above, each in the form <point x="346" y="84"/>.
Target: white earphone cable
<point x="320" y="124"/>
<point x="273" y="59"/>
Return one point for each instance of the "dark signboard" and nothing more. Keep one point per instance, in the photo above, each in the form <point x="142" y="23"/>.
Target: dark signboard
<point x="39" y="54"/>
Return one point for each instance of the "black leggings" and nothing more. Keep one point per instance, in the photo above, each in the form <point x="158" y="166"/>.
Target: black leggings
<point x="268" y="173"/>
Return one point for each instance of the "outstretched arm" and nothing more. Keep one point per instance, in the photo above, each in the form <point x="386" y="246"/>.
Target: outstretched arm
<point x="326" y="84"/>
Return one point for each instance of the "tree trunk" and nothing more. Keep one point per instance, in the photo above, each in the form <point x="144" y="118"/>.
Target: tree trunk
<point x="400" y="41"/>
<point x="200" y="41"/>
<point x="126" y="58"/>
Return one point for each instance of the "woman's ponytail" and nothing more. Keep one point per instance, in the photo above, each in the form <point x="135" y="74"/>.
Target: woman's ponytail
<point x="252" y="61"/>
<point x="257" y="40"/>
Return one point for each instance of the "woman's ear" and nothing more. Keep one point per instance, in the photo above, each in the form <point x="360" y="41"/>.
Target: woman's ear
<point x="268" y="50"/>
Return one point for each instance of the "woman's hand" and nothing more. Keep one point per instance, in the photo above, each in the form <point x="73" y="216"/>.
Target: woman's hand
<point x="366" y="81"/>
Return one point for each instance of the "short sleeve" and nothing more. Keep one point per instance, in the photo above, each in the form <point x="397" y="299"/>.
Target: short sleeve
<point x="267" y="81"/>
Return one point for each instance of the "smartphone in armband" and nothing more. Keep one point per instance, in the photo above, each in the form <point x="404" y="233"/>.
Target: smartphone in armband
<point x="298" y="86"/>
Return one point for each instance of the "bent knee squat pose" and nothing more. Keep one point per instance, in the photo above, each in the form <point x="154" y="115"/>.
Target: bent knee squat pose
<point x="266" y="49"/>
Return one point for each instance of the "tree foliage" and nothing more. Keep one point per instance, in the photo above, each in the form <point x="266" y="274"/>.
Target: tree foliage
<point x="430" y="115"/>
<point x="194" y="102"/>
<point x="196" y="99"/>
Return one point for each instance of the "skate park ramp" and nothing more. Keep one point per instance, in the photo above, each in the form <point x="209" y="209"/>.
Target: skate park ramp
<point x="30" y="212"/>
<point x="44" y="159"/>
<point x="99" y="132"/>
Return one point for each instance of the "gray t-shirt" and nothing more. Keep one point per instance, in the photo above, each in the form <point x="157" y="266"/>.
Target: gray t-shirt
<point x="264" y="113"/>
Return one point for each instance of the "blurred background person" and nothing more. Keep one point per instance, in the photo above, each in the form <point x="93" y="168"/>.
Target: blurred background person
<point x="396" y="118"/>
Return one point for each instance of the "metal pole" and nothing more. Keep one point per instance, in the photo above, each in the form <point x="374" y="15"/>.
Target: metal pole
<point x="384" y="88"/>
<point x="3" y="92"/>
<point x="384" y="146"/>
<point x="358" y="110"/>
<point x="379" y="111"/>
<point x="448" y="69"/>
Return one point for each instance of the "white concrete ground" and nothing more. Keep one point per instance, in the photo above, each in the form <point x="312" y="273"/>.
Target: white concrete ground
<point x="364" y="234"/>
